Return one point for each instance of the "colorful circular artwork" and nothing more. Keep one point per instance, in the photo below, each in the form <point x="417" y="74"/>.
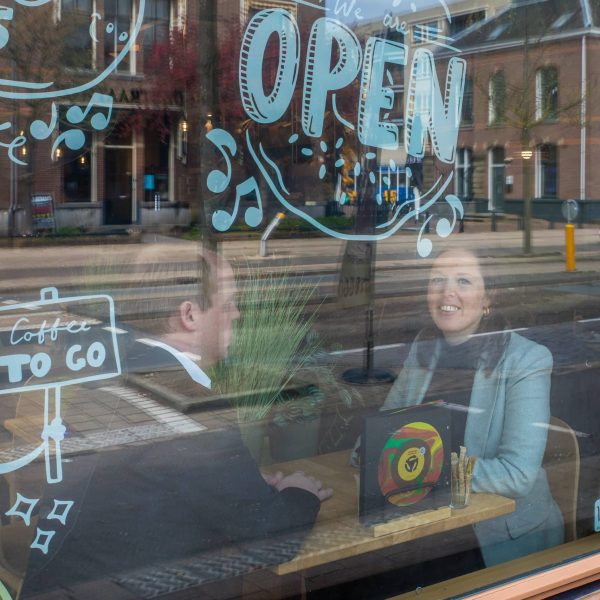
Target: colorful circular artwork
<point x="410" y="464"/>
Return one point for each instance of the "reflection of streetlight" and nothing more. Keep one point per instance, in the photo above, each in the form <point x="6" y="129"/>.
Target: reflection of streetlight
<point x="526" y="154"/>
<point x="182" y="140"/>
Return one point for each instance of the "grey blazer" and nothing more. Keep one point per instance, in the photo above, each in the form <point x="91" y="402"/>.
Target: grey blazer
<point x="506" y="429"/>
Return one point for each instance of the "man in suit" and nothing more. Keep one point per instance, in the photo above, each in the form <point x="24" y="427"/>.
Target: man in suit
<point x="164" y="506"/>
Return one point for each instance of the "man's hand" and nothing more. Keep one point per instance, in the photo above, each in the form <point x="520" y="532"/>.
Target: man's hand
<point x="305" y="482"/>
<point x="273" y="480"/>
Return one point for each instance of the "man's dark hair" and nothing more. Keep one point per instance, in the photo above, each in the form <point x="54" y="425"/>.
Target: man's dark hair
<point x="159" y="286"/>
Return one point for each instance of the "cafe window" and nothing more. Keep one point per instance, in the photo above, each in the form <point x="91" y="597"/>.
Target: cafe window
<point x="282" y="324"/>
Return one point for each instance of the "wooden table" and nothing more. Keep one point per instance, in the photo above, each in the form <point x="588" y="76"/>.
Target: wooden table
<point x="338" y="534"/>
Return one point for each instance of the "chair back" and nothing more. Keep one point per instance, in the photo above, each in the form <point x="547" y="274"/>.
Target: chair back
<point x="561" y="463"/>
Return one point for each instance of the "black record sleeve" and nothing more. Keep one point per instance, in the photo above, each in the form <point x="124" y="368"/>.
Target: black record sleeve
<point x="404" y="462"/>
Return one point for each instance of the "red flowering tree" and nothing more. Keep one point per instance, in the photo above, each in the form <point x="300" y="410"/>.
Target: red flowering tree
<point x="173" y="81"/>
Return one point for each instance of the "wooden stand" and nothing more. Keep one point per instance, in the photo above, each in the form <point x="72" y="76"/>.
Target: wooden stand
<point x="409" y="521"/>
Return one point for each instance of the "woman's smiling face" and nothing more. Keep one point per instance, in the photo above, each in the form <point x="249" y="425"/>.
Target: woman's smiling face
<point x="456" y="295"/>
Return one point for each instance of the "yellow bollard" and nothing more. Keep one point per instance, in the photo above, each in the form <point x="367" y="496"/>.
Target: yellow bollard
<point x="570" y="247"/>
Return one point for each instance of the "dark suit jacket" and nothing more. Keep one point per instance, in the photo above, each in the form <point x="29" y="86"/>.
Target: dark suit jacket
<point x="163" y="502"/>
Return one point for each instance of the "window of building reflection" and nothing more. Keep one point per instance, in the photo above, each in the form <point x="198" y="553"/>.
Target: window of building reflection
<point x="467" y="106"/>
<point x="496" y="98"/>
<point x="496" y="177"/>
<point x="77" y="175"/>
<point x="464" y="173"/>
<point x="461" y="22"/>
<point x="546" y="166"/>
<point x="157" y="24"/>
<point x="118" y="17"/>
<point x="79" y="48"/>
<point x="546" y="93"/>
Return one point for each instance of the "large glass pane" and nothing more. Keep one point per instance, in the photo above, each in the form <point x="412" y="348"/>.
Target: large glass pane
<point x="289" y="302"/>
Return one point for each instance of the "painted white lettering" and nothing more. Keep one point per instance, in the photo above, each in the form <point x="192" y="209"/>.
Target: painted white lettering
<point x="40" y="364"/>
<point x="15" y="363"/>
<point x="376" y="96"/>
<point x="79" y="363"/>
<point x="14" y="341"/>
<point x="96" y="354"/>
<point x="321" y="77"/>
<point x="430" y="110"/>
<point x="346" y="8"/>
<point x="39" y="334"/>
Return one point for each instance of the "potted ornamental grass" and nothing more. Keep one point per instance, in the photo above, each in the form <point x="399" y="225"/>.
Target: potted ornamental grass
<point x="270" y="346"/>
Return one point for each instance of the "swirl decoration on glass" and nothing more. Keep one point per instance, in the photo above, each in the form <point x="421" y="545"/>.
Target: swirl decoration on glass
<point x="336" y="65"/>
<point x="97" y="112"/>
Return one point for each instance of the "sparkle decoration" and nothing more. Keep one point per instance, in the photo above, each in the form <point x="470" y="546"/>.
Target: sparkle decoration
<point x="42" y="540"/>
<point x="60" y="510"/>
<point x="23" y="507"/>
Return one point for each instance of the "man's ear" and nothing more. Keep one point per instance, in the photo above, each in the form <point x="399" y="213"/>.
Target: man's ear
<point x="188" y="315"/>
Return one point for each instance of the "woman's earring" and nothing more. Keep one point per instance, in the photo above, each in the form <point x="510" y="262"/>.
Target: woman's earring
<point x="486" y="312"/>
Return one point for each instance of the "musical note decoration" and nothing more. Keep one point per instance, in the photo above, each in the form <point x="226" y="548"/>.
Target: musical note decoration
<point x="443" y="227"/>
<point x="98" y="110"/>
<point x="99" y="120"/>
<point x="74" y="139"/>
<point x="222" y="220"/>
<point x="218" y="181"/>
<point x="40" y="130"/>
